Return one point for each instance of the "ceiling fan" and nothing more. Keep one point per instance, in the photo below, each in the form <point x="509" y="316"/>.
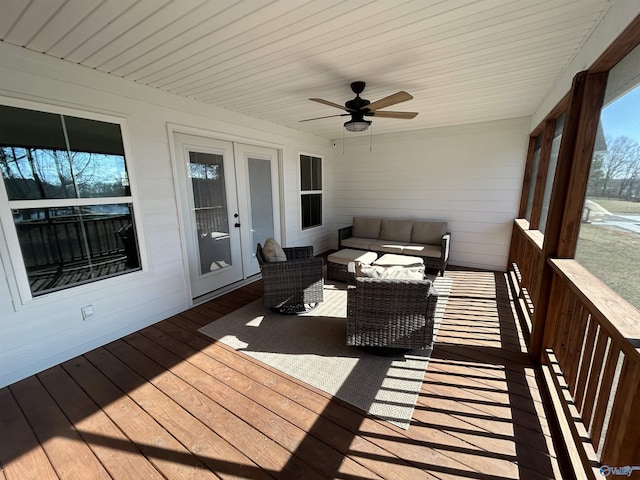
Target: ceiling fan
<point x="359" y="108"/>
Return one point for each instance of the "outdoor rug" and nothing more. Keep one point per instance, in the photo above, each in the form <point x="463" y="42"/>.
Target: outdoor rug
<point x="312" y="348"/>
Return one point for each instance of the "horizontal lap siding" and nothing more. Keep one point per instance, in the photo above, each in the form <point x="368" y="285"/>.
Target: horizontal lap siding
<point x="468" y="175"/>
<point x="51" y="330"/>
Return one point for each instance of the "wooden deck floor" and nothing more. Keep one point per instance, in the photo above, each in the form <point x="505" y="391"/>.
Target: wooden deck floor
<point x="166" y="402"/>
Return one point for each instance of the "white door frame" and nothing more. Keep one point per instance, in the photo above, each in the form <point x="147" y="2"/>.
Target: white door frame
<point x="173" y="129"/>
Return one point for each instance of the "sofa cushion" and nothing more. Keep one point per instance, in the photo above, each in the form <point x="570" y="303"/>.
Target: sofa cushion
<point x="428" y="232"/>
<point x="397" y="230"/>
<point x="422" y="250"/>
<point x="387" y="246"/>
<point x="389" y="259"/>
<point x="273" y="252"/>
<point x="366" y="227"/>
<point x="358" y="243"/>
<point x="394" y="272"/>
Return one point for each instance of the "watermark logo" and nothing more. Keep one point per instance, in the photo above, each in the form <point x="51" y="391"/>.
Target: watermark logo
<point x="626" y="471"/>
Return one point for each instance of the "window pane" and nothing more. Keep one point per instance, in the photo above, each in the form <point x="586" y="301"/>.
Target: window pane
<point x="305" y="173"/>
<point x="68" y="246"/>
<point x="45" y="155"/>
<point x="534" y="174"/>
<point x="609" y="239"/>
<point x="96" y="158"/>
<point x="20" y="127"/>
<point x="316" y="173"/>
<point x="311" y="210"/>
<point x="310" y="173"/>
<point x="551" y="172"/>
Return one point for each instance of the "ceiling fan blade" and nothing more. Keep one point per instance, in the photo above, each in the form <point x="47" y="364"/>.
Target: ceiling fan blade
<point x="390" y="100"/>
<point x="331" y="104"/>
<point x="387" y="114"/>
<point x="328" y="116"/>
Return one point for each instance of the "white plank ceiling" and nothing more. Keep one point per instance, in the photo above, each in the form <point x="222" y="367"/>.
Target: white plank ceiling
<point x="463" y="61"/>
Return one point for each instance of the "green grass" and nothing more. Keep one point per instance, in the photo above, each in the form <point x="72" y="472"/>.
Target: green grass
<point x="613" y="256"/>
<point x="617" y="206"/>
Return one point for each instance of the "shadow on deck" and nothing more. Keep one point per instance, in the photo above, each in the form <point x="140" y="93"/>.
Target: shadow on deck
<point x="168" y="402"/>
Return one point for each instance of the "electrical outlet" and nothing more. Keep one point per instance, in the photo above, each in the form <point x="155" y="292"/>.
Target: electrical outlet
<point x="87" y="312"/>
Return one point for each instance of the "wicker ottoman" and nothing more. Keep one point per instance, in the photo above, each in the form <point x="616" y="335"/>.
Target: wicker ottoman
<point x="337" y="262"/>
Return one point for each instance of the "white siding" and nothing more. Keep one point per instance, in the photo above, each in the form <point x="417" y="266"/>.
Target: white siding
<point x="470" y="176"/>
<point x="49" y="330"/>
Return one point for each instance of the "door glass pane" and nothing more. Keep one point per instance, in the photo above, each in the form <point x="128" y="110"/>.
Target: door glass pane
<point x="261" y="200"/>
<point x="206" y="171"/>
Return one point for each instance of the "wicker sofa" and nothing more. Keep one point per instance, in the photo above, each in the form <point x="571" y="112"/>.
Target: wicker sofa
<point x="390" y="313"/>
<point x="426" y="239"/>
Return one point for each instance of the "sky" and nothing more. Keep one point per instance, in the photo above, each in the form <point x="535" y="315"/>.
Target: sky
<point x="622" y="117"/>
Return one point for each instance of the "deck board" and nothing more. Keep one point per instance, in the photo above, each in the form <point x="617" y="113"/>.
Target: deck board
<point x="168" y="402"/>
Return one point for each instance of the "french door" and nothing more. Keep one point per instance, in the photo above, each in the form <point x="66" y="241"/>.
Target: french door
<point x="230" y="202"/>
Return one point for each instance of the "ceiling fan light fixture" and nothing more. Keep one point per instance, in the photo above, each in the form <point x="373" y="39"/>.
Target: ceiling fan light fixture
<point x="357" y="125"/>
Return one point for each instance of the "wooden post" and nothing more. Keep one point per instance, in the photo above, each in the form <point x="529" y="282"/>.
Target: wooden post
<point x="574" y="157"/>
<point x="541" y="174"/>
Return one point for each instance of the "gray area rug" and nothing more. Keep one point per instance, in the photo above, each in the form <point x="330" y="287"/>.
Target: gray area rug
<point x="312" y="348"/>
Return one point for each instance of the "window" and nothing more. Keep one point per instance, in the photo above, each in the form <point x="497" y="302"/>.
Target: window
<point x="551" y="172"/>
<point x="67" y="187"/>
<point x="609" y="239"/>
<point x="311" y="191"/>
<point x="534" y="174"/>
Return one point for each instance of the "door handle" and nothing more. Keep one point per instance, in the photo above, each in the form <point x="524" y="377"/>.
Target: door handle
<point x="237" y="225"/>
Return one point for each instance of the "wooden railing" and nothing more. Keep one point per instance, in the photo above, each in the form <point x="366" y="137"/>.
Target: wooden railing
<point x="590" y="354"/>
<point x="526" y="255"/>
<point x="592" y="341"/>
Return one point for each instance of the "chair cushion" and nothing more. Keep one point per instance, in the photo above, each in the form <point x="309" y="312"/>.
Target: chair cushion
<point x="428" y="232"/>
<point x="366" y="227"/>
<point x="397" y="230"/>
<point x="395" y="272"/>
<point x="273" y="252"/>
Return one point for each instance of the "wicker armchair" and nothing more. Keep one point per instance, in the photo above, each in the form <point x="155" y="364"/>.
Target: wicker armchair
<point x="390" y="312"/>
<point x="294" y="286"/>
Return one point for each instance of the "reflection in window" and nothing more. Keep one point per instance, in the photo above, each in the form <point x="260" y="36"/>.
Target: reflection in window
<point x="534" y="174"/>
<point x="551" y="172"/>
<point x="206" y="171"/>
<point x="609" y="239"/>
<point x="67" y="246"/>
<point x="48" y="163"/>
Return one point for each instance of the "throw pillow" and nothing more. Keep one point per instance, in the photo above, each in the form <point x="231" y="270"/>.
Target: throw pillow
<point x="273" y="252"/>
<point x="364" y="227"/>
<point x="429" y="233"/>
<point x="396" y="230"/>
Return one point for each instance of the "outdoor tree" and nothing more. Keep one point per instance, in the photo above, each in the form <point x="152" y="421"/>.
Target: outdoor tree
<point x="620" y="167"/>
